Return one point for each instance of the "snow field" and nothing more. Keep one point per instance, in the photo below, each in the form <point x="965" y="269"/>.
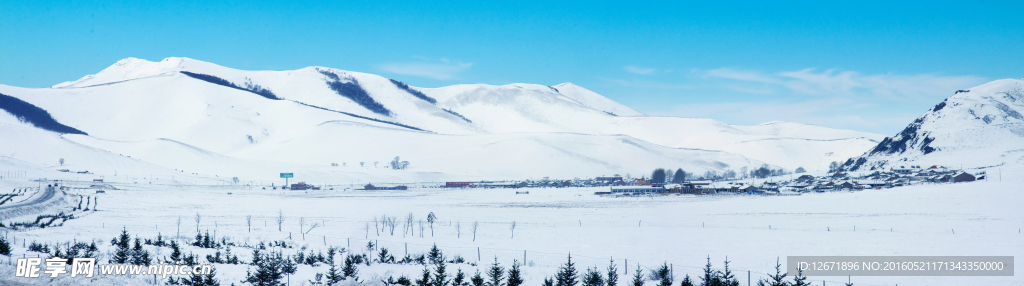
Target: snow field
<point x="981" y="218"/>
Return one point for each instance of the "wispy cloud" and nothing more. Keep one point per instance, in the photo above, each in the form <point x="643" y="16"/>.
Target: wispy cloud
<point x="639" y="70"/>
<point x="834" y="82"/>
<point x="645" y="83"/>
<point x="843" y="113"/>
<point x="442" y="69"/>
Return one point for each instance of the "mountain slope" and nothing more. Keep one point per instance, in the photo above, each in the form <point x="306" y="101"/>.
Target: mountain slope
<point x="976" y="128"/>
<point x="181" y="113"/>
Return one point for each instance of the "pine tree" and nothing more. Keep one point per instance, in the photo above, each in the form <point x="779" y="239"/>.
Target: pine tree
<point x="515" y="277"/>
<point x="711" y="277"/>
<point x="548" y="281"/>
<point x="638" y="278"/>
<point x="195" y="279"/>
<point x="425" y="280"/>
<point x="123" y="253"/>
<point x="435" y="256"/>
<point x="665" y="274"/>
<point x="5" y="247"/>
<point x="799" y="279"/>
<point x="779" y="279"/>
<point x="350" y="269"/>
<point x="460" y="278"/>
<point x="679" y="177"/>
<point x="139" y="256"/>
<point x="727" y="278"/>
<point x="333" y="276"/>
<point x="210" y="279"/>
<point x="686" y="281"/>
<point x="477" y="279"/>
<point x="613" y="274"/>
<point x="496" y="274"/>
<point x="566" y="274"/>
<point x="440" y="277"/>
<point x="593" y="278"/>
<point x="270" y="267"/>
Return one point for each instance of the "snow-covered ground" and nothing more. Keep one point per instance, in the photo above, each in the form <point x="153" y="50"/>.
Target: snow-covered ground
<point x="979" y="218"/>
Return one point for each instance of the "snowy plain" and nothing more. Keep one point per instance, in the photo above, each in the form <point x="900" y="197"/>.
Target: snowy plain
<point x="979" y="218"/>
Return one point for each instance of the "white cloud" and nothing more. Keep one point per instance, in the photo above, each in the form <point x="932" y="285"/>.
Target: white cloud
<point x="845" y="113"/>
<point x="845" y="83"/>
<point x="443" y="69"/>
<point x="639" y="70"/>
<point x="645" y="84"/>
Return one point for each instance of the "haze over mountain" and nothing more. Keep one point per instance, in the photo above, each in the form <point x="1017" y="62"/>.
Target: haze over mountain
<point x="979" y="127"/>
<point x="190" y="115"/>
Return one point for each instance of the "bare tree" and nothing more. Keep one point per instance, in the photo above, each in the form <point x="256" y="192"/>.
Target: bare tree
<point x="248" y="222"/>
<point x="179" y="224"/>
<point x="409" y="222"/>
<point x="374" y="226"/>
<point x="198" y="218"/>
<point x="421" y="227"/>
<point x="473" y="229"/>
<point x="430" y="219"/>
<point x="302" y="225"/>
<point x="367" y="230"/>
<point x="392" y="222"/>
<point x="280" y="219"/>
<point x="458" y="229"/>
<point x="513" y="228"/>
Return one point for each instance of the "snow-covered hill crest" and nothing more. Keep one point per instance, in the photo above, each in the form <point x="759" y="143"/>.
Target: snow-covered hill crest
<point x="323" y="120"/>
<point x="978" y="127"/>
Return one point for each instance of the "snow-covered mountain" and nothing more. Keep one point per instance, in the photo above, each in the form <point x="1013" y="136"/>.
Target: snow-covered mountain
<point x="975" y="128"/>
<point x="185" y="114"/>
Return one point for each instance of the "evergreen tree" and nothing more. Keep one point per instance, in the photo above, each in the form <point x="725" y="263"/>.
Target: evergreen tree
<point x="638" y="278"/>
<point x="425" y="280"/>
<point x="679" y="177"/>
<point x="270" y="268"/>
<point x="728" y="279"/>
<point x="333" y="276"/>
<point x="548" y="281"/>
<point x="477" y="279"/>
<point x="515" y="277"/>
<point x="799" y="279"/>
<point x="384" y="257"/>
<point x="566" y="275"/>
<point x="686" y="281"/>
<point x="440" y="277"/>
<point x="593" y="278"/>
<point x="123" y="253"/>
<point x="435" y="256"/>
<point x="496" y="275"/>
<point x="210" y="279"/>
<point x="5" y="247"/>
<point x="779" y="279"/>
<point x="613" y="274"/>
<point x="665" y="274"/>
<point x="350" y="269"/>
<point x="195" y="279"/>
<point x="711" y="277"/>
<point x="139" y="256"/>
<point x="658" y="176"/>
<point x="460" y="278"/>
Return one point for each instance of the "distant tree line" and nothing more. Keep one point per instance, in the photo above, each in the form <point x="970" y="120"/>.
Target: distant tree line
<point x="661" y="175"/>
<point x="249" y="86"/>
<point x="416" y="93"/>
<point x="352" y="90"/>
<point x="31" y="114"/>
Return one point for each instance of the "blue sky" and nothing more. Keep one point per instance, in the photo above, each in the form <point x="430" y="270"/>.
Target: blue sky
<point x="869" y="66"/>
